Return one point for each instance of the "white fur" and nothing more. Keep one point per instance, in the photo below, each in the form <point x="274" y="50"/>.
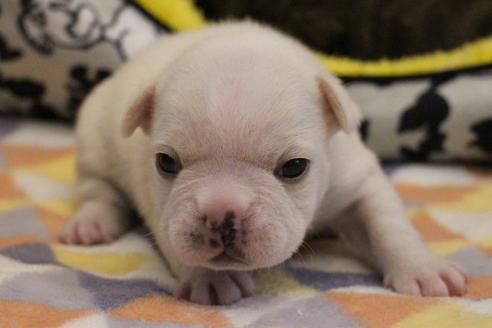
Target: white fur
<point x="233" y="102"/>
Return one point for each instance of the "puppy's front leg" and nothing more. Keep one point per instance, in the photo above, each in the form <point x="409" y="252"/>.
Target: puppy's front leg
<point x="378" y="224"/>
<point x="103" y="214"/>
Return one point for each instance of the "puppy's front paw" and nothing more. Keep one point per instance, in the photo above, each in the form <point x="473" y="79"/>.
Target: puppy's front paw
<point x="435" y="277"/>
<point x="215" y="287"/>
<point x="94" y="223"/>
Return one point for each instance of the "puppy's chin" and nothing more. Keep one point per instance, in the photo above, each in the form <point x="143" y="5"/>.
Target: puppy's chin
<point x="260" y="246"/>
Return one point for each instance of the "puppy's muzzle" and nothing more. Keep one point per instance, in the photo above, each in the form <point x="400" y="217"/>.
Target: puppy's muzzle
<point x="223" y="233"/>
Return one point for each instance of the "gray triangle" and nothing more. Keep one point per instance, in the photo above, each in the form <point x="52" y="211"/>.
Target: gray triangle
<point x="59" y="288"/>
<point x="329" y="280"/>
<point x="119" y="323"/>
<point x="476" y="262"/>
<point x="22" y="220"/>
<point x="31" y="253"/>
<point x="109" y="293"/>
<point x="318" y="311"/>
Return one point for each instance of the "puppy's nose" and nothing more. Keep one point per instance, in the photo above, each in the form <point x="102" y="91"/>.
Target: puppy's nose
<point x="220" y="201"/>
<point x="219" y="214"/>
<point x="226" y="230"/>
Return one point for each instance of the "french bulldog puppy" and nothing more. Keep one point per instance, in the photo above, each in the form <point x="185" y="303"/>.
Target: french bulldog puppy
<point x="234" y="143"/>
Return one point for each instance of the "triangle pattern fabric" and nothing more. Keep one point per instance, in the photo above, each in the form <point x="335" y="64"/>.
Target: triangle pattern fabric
<point x="127" y="284"/>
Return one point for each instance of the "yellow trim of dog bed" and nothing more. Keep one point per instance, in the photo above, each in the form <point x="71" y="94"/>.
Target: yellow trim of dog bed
<point x="473" y="54"/>
<point x="177" y="14"/>
<point x="184" y="15"/>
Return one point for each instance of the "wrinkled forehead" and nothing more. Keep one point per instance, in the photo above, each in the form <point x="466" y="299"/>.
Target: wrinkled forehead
<point x="253" y="112"/>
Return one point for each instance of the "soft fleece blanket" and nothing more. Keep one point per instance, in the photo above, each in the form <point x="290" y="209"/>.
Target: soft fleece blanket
<point x="125" y="284"/>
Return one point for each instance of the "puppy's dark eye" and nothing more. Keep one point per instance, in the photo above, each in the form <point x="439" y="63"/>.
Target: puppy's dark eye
<point x="292" y="168"/>
<point x="167" y="164"/>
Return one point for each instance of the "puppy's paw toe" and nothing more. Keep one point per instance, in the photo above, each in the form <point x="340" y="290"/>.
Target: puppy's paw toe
<point x="455" y="279"/>
<point x="439" y="278"/>
<point x="84" y="233"/>
<point x="94" y="223"/>
<point x="215" y="288"/>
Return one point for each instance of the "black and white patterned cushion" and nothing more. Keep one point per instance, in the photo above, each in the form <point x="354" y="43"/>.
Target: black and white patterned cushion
<point x="53" y="52"/>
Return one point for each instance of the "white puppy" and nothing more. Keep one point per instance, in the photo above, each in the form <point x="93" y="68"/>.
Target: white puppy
<point x="234" y="143"/>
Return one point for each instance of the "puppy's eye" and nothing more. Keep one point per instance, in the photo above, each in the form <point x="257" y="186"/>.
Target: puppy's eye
<point x="292" y="168"/>
<point x="167" y="164"/>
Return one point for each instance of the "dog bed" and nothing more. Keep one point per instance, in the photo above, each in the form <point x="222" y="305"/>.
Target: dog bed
<point x="126" y="284"/>
<point x="430" y="104"/>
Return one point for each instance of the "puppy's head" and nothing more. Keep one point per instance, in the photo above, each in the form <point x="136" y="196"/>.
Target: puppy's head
<point x="238" y="160"/>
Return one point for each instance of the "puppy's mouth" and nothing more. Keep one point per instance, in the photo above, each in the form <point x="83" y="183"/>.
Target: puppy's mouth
<point x="229" y="258"/>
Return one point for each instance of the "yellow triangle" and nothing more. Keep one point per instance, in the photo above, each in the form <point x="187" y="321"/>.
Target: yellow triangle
<point x="474" y="202"/>
<point x="443" y="248"/>
<point x="411" y="211"/>
<point x="103" y="262"/>
<point x="9" y="204"/>
<point x="486" y="241"/>
<point x="60" y="169"/>
<point x="449" y="315"/>
<point x="61" y="207"/>
<point x="277" y="282"/>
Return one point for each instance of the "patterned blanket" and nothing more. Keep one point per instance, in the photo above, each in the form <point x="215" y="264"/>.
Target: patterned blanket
<point x="125" y="284"/>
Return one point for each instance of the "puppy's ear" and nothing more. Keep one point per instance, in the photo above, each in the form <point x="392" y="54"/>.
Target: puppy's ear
<point x="339" y="107"/>
<point x="140" y="113"/>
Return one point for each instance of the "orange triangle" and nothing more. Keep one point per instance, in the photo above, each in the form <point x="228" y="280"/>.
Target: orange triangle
<point x="158" y="308"/>
<point x="433" y="194"/>
<point x="380" y="311"/>
<point x="29" y="155"/>
<point x="431" y="230"/>
<point x="479" y="287"/>
<point x="17" y="240"/>
<point x="9" y="189"/>
<point x="486" y="250"/>
<point x="28" y="314"/>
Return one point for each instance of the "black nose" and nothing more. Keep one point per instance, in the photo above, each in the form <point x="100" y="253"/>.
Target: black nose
<point x="224" y="226"/>
<point x="227" y="230"/>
